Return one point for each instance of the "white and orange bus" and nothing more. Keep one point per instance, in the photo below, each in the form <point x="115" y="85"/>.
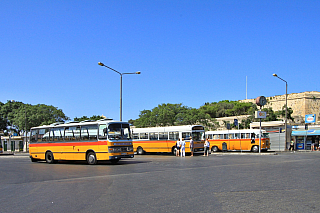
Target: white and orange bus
<point x="163" y="139"/>
<point x="246" y="140"/>
<point x="92" y="141"/>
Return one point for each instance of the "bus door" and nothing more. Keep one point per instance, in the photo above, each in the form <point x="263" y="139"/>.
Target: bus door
<point x="163" y="139"/>
<point x="173" y="138"/>
<point x="232" y="141"/>
<point x="237" y="138"/>
<point x="144" y="142"/>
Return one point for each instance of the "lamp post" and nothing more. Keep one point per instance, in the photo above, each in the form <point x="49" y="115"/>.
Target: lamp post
<point x="275" y="75"/>
<point x="121" y="74"/>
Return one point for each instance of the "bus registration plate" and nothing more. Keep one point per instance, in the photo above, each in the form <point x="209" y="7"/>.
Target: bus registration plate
<point x="123" y="153"/>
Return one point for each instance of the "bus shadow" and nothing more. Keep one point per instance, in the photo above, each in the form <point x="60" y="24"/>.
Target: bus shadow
<point x="102" y="162"/>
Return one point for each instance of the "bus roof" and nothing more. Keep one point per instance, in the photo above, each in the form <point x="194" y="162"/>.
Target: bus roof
<point x="168" y="128"/>
<point x="256" y="131"/>
<point x="82" y="123"/>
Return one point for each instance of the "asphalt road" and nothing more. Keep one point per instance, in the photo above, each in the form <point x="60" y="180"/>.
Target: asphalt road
<point x="287" y="182"/>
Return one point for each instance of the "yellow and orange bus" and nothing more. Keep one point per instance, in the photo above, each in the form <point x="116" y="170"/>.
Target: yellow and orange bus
<point x="91" y="141"/>
<point x="246" y="140"/>
<point x="163" y="139"/>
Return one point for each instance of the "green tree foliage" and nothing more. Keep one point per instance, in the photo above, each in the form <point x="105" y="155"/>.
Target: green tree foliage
<point x="227" y="108"/>
<point x="92" y="118"/>
<point x="24" y="116"/>
<point x="170" y="115"/>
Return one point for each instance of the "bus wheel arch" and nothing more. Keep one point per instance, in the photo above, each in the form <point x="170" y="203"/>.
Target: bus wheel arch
<point x="255" y="149"/>
<point x="214" y="149"/>
<point x="49" y="157"/>
<point x="91" y="157"/>
<point x="140" y="150"/>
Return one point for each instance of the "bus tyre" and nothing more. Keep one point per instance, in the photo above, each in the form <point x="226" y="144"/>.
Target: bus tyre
<point x="255" y="149"/>
<point x="174" y="151"/>
<point x="49" y="157"/>
<point x="91" y="158"/>
<point x="140" y="151"/>
<point x="214" y="149"/>
<point x="114" y="161"/>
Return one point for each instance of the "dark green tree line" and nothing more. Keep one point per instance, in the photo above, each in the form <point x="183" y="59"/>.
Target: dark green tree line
<point x="19" y="116"/>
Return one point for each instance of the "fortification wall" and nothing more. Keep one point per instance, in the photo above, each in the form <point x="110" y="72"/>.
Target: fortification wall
<point x="301" y="103"/>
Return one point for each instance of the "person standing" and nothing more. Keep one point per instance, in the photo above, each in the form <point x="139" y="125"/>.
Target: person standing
<point x="206" y="147"/>
<point x="191" y="146"/>
<point x="183" y="148"/>
<point x="178" y="144"/>
<point x="291" y="145"/>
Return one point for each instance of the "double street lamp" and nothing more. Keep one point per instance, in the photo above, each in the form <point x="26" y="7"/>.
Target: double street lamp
<point x="275" y="75"/>
<point x="121" y="74"/>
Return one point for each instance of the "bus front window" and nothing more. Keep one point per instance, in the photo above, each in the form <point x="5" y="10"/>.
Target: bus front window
<point x="198" y="136"/>
<point x="118" y="131"/>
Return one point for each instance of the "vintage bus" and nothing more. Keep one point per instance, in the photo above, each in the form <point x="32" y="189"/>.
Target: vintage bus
<point x="91" y="141"/>
<point x="163" y="139"/>
<point x="246" y="140"/>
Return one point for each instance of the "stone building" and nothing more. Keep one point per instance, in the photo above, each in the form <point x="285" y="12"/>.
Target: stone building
<point x="301" y="103"/>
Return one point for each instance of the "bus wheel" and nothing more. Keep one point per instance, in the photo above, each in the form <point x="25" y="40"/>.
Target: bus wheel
<point x="174" y="151"/>
<point x="49" y="157"/>
<point x="91" y="158"/>
<point x="140" y="151"/>
<point x="114" y="161"/>
<point x="214" y="149"/>
<point x="255" y="149"/>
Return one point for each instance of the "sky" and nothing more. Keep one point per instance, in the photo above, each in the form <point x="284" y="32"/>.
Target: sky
<point x="189" y="52"/>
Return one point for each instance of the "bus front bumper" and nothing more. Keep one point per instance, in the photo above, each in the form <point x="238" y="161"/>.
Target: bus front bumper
<point x="120" y="156"/>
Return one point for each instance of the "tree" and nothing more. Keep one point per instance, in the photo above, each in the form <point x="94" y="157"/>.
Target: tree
<point x="22" y="116"/>
<point x="92" y="118"/>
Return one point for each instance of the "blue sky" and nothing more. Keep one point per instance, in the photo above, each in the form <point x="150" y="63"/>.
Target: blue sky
<point x="188" y="52"/>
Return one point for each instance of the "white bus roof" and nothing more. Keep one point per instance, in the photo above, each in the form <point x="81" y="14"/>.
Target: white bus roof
<point x="256" y="131"/>
<point x="75" y="123"/>
<point x="166" y="128"/>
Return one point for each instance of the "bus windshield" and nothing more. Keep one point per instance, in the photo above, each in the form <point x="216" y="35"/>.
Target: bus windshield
<point x="118" y="131"/>
<point x="198" y="136"/>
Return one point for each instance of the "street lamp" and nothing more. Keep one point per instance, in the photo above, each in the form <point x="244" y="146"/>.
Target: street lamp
<point x="102" y="64"/>
<point x="275" y="75"/>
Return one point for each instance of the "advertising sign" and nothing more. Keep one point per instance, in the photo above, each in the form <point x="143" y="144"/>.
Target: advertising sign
<point x="260" y="114"/>
<point x="311" y="118"/>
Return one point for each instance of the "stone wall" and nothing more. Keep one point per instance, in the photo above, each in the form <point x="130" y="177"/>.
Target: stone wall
<point x="301" y="103"/>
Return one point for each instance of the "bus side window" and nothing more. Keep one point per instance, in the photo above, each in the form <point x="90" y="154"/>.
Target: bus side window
<point x="102" y="131"/>
<point x="243" y="135"/>
<point x="34" y="135"/>
<point x="44" y="135"/>
<point x="163" y="135"/>
<point x="151" y="136"/>
<point x="173" y="135"/>
<point x="135" y="135"/>
<point x="143" y="135"/>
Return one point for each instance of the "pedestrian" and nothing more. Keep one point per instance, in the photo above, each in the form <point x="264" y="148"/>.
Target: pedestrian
<point x="291" y="145"/>
<point x="178" y="144"/>
<point x="183" y="148"/>
<point x="312" y="145"/>
<point x="191" y="146"/>
<point x="206" y="147"/>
